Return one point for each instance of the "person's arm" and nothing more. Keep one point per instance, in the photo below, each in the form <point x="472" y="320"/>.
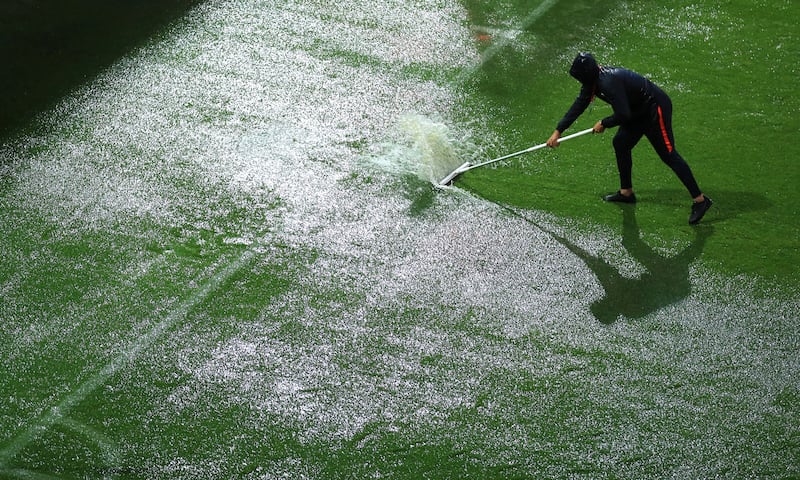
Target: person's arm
<point x="582" y="101"/>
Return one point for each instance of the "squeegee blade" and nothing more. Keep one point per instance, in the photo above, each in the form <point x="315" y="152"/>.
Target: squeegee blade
<point x="458" y="171"/>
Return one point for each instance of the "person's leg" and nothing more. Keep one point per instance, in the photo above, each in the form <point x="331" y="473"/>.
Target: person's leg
<point x="624" y="141"/>
<point x="663" y="141"/>
<point x="661" y="137"/>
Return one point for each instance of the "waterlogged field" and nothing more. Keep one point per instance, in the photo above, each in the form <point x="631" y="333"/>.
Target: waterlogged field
<point x="223" y="256"/>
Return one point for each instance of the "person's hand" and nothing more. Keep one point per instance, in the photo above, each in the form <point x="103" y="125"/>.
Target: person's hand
<point x="598" y="127"/>
<point x="552" y="142"/>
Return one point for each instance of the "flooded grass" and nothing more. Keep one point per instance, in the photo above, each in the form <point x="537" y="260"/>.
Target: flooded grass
<point x="221" y="260"/>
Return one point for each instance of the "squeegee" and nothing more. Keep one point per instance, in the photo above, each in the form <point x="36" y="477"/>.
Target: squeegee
<point x="468" y="166"/>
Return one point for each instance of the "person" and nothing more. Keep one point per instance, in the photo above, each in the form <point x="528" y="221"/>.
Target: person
<point x="640" y="108"/>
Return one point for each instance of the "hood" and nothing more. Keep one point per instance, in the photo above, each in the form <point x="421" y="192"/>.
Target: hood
<point x="585" y="68"/>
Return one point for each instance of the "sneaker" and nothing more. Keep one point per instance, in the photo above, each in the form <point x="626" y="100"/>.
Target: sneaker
<point x="619" y="197"/>
<point x="699" y="209"/>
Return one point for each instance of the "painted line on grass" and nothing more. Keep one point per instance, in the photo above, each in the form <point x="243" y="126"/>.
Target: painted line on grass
<point x="496" y="47"/>
<point x="60" y="412"/>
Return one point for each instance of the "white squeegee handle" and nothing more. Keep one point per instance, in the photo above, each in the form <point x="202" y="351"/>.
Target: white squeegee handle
<point x="467" y="166"/>
<point x="527" y="150"/>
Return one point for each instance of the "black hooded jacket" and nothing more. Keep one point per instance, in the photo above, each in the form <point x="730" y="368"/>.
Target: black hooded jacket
<point x="633" y="97"/>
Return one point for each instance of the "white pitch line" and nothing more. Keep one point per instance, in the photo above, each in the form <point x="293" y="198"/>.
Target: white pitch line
<point x="58" y="412"/>
<point x="490" y="52"/>
<point x="62" y="410"/>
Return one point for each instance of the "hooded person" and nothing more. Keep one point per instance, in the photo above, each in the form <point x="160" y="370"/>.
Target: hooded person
<point x="585" y="69"/>
<point x="639" y="108"/>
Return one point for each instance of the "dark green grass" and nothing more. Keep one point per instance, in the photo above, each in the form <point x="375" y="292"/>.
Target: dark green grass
<point x="585" y="404"/>
<point x="731" y="71"/>
<point x="49" y="47"/>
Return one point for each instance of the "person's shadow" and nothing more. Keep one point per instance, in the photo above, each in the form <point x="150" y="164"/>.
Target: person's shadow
<point x="664" y="283"/>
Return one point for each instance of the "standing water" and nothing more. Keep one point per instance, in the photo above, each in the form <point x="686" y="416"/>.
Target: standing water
<point x="217" y="274"/>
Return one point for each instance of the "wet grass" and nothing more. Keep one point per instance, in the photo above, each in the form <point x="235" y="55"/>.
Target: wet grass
<point x="50" y="47"/>
<point x="273" y="362"/>
<point x="729" y="69"/>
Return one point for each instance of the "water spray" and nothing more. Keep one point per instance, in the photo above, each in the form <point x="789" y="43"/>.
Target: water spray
<point x="434" y="150"/>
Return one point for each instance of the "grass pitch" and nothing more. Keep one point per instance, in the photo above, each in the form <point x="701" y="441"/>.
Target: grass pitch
<point x="216" y="263"/>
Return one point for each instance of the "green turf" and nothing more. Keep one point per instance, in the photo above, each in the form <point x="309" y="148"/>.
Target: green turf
<point x="50" y="47"/>
<point x="192" y="339"/>
<point x="730" y="69"/>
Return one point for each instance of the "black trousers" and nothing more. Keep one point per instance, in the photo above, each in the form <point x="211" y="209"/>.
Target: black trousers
<point x="656" y="125"/>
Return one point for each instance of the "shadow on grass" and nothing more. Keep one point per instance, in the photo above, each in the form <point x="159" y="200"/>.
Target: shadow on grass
<point x="50" y="47"/>
<point x="728" y="204"/>
<point x="665" y="282"/>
